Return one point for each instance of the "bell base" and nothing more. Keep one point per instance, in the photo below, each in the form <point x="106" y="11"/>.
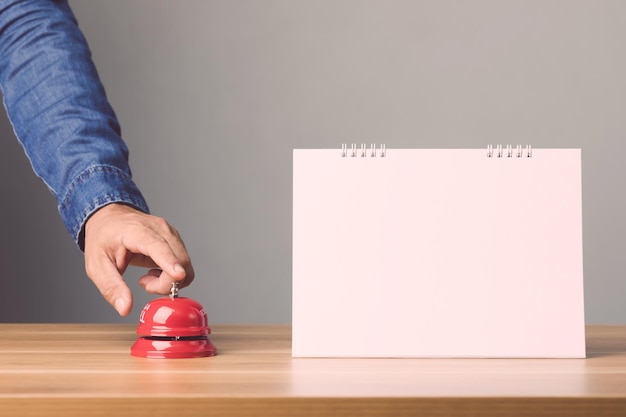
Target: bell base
<point x="172" y="349"/>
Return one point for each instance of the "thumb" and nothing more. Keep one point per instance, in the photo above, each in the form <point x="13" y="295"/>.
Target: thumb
<point x="112" y="286"/>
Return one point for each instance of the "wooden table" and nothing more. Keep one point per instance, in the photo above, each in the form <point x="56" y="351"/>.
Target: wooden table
<point x="86" y="370"/>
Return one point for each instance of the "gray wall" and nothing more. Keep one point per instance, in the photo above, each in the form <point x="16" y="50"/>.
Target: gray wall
<point x="214" y="95"/>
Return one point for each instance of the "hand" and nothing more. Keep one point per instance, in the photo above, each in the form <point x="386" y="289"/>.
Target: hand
<point x="117" y="236"/>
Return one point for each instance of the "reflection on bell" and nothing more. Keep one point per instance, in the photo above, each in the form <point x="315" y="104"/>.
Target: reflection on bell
<point x="173" y="327"/>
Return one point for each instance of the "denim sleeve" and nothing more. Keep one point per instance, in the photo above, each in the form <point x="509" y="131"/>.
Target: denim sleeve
<point x="59" y="112"/>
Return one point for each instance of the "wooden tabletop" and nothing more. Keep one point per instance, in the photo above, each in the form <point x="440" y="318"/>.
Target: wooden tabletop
<point x="86" y="370"/>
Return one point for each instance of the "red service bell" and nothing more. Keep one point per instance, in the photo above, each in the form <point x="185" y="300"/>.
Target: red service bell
<point x="173" y="327"/>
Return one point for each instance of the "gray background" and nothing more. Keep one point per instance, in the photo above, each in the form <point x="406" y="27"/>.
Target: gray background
<point x="214" y="95"/>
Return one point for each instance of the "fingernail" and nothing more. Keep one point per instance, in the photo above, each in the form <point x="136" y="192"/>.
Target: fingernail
<point x="178" y="268"/>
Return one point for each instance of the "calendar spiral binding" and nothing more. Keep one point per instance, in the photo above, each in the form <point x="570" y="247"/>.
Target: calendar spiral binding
<point x="499" y="151"/>
<point x="363" y="150"/>
<point x="508" y="152"/>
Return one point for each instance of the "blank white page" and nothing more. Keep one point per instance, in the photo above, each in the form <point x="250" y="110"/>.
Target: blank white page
<point x="437" y="253"/>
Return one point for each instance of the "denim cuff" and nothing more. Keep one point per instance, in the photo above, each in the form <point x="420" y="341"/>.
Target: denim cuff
<point x="93" y="189"/>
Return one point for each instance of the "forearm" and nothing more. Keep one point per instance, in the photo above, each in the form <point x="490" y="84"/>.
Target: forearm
<point x="60" y="113"/>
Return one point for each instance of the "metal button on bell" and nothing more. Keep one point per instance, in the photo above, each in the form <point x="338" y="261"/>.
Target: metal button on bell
<point x="173" y="327"/>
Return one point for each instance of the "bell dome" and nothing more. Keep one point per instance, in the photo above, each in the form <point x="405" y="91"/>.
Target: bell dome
<point x="173" y="316"/>
<point x="173" y="327"/>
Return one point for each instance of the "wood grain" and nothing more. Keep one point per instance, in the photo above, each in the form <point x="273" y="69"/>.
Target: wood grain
<point x="84" y="369"/>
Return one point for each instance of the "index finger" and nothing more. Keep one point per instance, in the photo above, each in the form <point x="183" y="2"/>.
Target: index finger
<point x="161" y="243"/>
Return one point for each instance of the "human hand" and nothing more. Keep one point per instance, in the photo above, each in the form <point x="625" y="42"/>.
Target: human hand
<point x="116" y="236"/>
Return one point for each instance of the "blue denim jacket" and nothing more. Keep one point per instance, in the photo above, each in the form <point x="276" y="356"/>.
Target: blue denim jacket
<point x="59" y="111"/>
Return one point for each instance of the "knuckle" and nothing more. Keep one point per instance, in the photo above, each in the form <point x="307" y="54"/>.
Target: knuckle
<point x="161" y="223"/>
<point x="107" y="292"/>
<point x="165" y="227"/>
